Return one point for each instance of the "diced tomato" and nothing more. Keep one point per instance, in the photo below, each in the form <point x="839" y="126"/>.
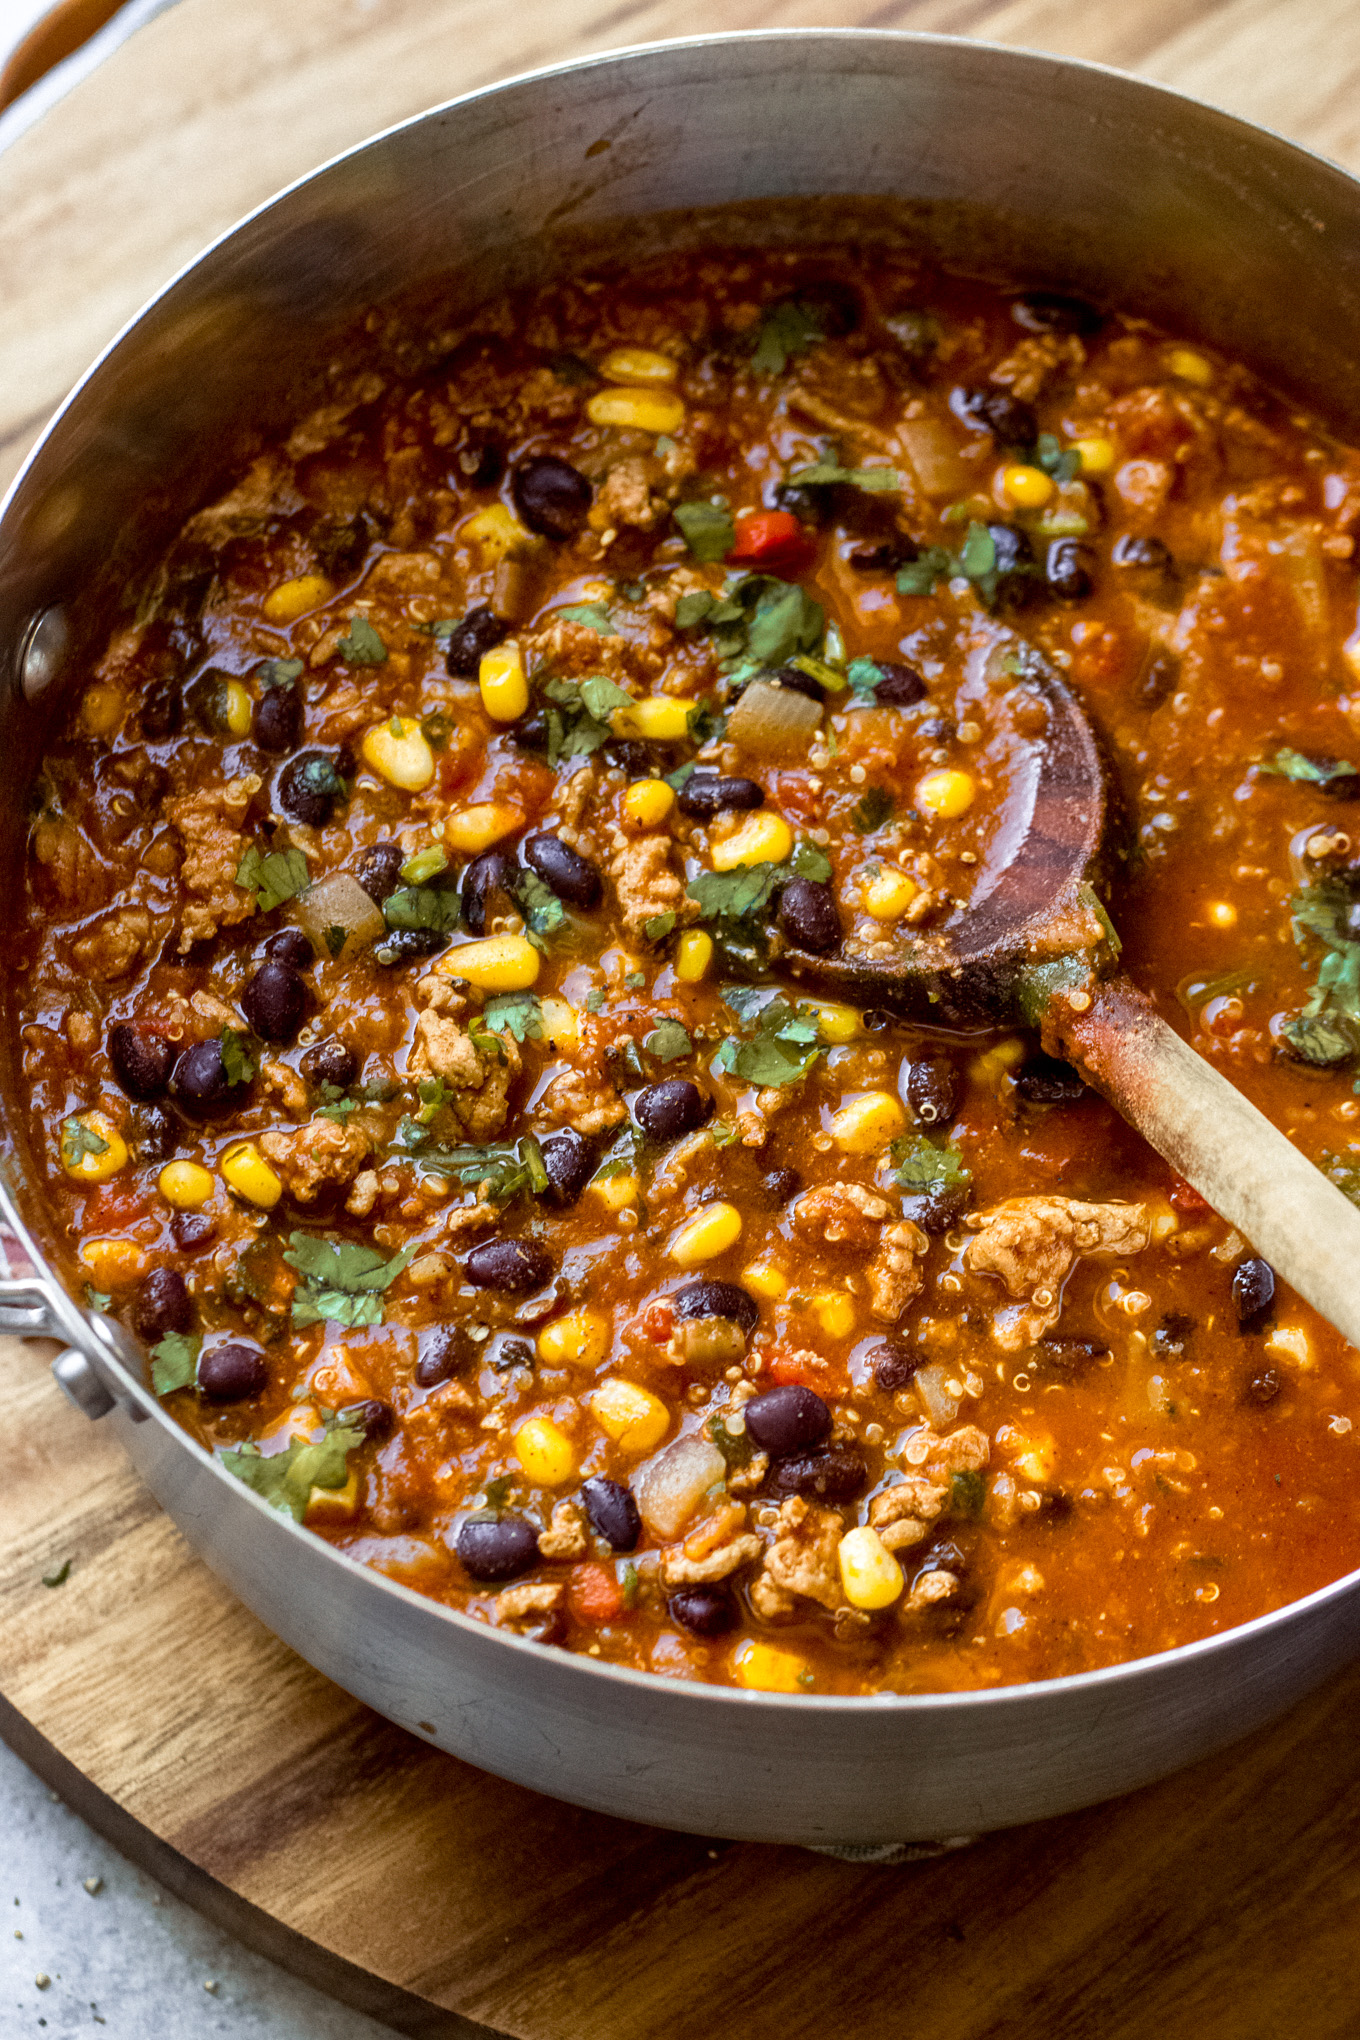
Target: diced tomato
<point x="1187" y="1200"/>
<point x="773" y="539"/>
<point x="656" y="1323"/>
<point x="809" y="1370"/>
<point x="116" y="1205"/>
<point x="594" y="1594"/>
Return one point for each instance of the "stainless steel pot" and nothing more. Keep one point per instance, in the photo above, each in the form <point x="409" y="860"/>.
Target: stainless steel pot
<point x="1060" y="172"/>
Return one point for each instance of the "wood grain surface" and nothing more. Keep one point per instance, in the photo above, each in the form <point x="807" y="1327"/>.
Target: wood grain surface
<point x="1221" y="1904"/>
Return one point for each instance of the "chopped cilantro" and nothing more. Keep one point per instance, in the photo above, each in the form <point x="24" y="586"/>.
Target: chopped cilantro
<point x="738" y="896"/>
<point x="544" y="914"/>
<point x="708" y="529"/>
<point x="629" y="1582"/>
<point x="174" y="1362"/>
<point x="734" y="1445"/>
<point x="635" y="980"/>
<point x="59" y="1577"/>
<point x="658" y="926"/>
<point x="761" y="622"/>
<point x="363" y="646"/>
<point x="577" y="715"/>
<point x="823" y="473"/>
<point x="336" y="937"/>
<point x="285" y="1479"/>
<point x="694" y="608"/>
<point x="441" y="630"/>
<point x="787" y="329"/>
<point x="517" y="1013"/>
<point x="593" y="615"/>
<point x="976" y="561"/>
<point x="784" y="1046"/>
<point x="278" y="672"/>
<point x="681" y="776"/>
<point x="273" y="876"/>
<point x="79" y="1140"/>
<point x="424" y="865"/>
<point x="1337" y="775"/>
<point x="873" y="808"/>
<point x="98" y="1299"/>
<point x="863" y="676"/>
<point x="668" y="1041"/>
<point x="423" y="906"/>
<point x="342" y="1280"/>
<point x="503" y="1167"/>
<point x="1327" y="1031"/>
<point x="436" y="728"/>
<point x="922" y="1165"/>
<point x="434" y="1095"/>
<point x="622" y="1156"/>
<point x="1062" y="462"/>
<point x="967" y="1493"/>
<point x="237" y="1061"/>
<point x="595" y="999"/>
<point x="570" y="368"/>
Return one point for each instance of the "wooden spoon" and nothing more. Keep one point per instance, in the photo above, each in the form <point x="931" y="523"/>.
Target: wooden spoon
<point x="1034" y="945"/>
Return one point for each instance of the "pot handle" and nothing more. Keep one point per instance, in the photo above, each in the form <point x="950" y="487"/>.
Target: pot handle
<point x="25" y="1310"/>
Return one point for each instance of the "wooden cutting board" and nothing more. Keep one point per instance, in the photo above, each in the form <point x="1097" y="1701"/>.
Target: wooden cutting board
<point x="1221" y="1903"/>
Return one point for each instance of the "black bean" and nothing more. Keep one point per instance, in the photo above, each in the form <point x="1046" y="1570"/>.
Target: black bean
<point x="231" y="1372"/>
<point x="837" y="1475"/>
<point x="782" y="1184"/>
<point x="1010" y="422"/>
<point x="1060" y="1359"/>
<point x="277" y="722"/>
<point x="1173" y="1333"/>
<point x="406" y="945"/>
<point x="330" y="1062"/>
<point x="162" y="711"/>
<point x="708" y="793"/>
<point x="339" y="545"/>
<point x="551" y="496"/>
<point x="933" y="1090"/>
<point x="530" y="733"/>
<point x="798" y="682"/>
<point x="444" y="1350"/>
<point x="379" y="870"/>
<point x="938" y="729"/>
<point x="1253" y="1291"/>
<point x="834" y="303"/>
<point x="497" y="1547"/>
<point x="374" y="1418"/>
<point x="894" y="1365"/>
<point x="490" y="875"/>
<point x="704" y="1611"/>
<point x="200" y="1075"/>
<point x="275" y="1002"/>
<point x="1263" y="1386"/>
<point x="936" y="1208"/>
<point x="1141" y="552"/>
<point x="480" y="631"/>
<point x="290" y="945"/>
<point x="612" y="1512"/>
<point x="1049" y="311"/>
<point x="717" y="1299"/>
<point x="155" y="1133"/>
<point x="1066" y="570"/>
<point x="900" y="686"/>
<point x="516" y="1265"/>
<point x="569" y="874"/>
<point x="569" y="1159"/>
<point x="885" y="557"/>
<point x="809" y="505"/>
<point x="666" y="1110"/>
<point x="631" y="755"/>
<point x="309" y="786"/>
<point x="193" y="1230"/>
<point x="1044" y="1080"/>
<point x="1014" y="555"/>
<point x="162" y="1305"/>
<point x="787" y="1419"/>
<point x="480" y="463"/>
<point x="141" y="1062"/>
<point x="1158" y="680"/>
<point x="809" y="916"/>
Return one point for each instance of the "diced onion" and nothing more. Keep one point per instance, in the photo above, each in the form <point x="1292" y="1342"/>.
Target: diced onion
<point x="773" y="722"/>
<point x="933" y="452"/>
<point x="670" y="1487"/>
<point x="338" y="901"/>
<point x="932" y="1385"/>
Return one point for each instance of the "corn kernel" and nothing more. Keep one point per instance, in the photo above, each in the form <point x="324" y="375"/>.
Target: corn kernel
<point x="333" y="1504"/>
<point x="709" y="1233"/>
<point x="238" y="707"/>
<point x="870" y="1574"/>
<point x="945" y="794"/>
<point x="1290" y="1342"/>
<point x="495" y="531"/>
<point x="398" y="753"/>
<point x="760" y="839"/>
<point x="835" y="1313"/>
<point x="502" y="963"/>
<point x="867" y="1122"/>
<point x="247" y="1172"/>
<point x="888" y="894"/>
<point x="1223" y="914"/>
<point x="835" y="1023"/>
<point x="92" y="1148"/>
<point x="1036" y="1459"/>
<point x="693" y="955"/>
<point x="616" y="1193"/>
<point x="1024" y="487"/>
<point x="476" y="828"/>
<point x="546" y="1454"/>
<point x="113" y="1264"/>
<point x="765" y="1279"/>
<point x="1096" y="455"/>
<point x="186" y="1185"/>
<point x="648" y="802"/>
<point x="292" y="599"/>
<point x="638" y="366"/>
<point x="504" y="689"/>
<point x="657" y="718"/>
<point x="1165" y="1225"/>
<point x="633" y="1417"/>
<point x="582" y="1336"/>
<point x="767" y="1670"/>
<point x="101" y="709"/>
<point x="1190" y="367"/>
<point x="560" y="1021"/>
<point x="653" y="411"/>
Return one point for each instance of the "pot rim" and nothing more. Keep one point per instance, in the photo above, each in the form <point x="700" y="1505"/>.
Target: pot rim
<point x="71" y="1322"/>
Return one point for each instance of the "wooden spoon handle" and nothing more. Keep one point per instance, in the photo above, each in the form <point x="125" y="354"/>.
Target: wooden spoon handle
<point x="1255" y="1178"/>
